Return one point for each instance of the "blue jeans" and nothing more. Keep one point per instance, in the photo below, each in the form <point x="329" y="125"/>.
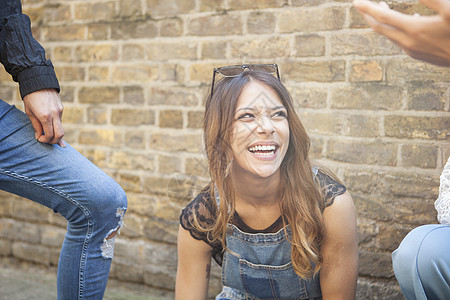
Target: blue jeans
<point x="259" y="266"/>
<point x="69" y="184"/>
<point x="422" y="263"/>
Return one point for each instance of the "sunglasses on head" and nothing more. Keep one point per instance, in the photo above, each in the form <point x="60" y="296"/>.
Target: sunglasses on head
<point x="236" y="70"/>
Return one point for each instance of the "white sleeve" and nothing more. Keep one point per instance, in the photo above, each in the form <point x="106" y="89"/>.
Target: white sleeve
<point x="442" y="203"/>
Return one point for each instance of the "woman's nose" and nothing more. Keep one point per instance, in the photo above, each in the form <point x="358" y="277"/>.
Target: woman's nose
<point x="265" y="125"/>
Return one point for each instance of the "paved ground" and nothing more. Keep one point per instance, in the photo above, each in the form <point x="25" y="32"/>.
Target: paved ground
<point x="25" y="282"/>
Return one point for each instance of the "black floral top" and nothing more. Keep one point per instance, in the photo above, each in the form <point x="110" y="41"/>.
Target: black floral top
<point x="205" y="209"/>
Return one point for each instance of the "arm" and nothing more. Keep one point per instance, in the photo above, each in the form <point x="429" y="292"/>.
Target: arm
<point x="425" y="38"/>
<point x="339" y="272"/>
<point x="194" y="262"/>
<point x="24" y="58"/>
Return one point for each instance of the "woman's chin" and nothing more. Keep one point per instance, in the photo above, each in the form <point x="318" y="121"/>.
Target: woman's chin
<point x="265" y="172"/>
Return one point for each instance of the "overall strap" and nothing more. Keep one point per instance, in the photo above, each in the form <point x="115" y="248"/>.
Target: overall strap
<point x="315" y="170"/>
<point x="216" y="195"/>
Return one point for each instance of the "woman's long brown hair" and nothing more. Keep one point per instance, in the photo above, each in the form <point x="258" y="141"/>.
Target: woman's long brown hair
<point x="300" y="196"/>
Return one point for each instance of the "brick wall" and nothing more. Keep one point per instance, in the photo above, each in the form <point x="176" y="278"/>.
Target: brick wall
<point x="134" y="74"/>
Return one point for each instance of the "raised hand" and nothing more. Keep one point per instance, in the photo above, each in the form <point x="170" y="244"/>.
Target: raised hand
<point x="426" y="38"/>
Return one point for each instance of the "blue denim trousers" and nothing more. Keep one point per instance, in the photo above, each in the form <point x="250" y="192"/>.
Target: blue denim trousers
<point x="422" y="263"/>
<point x="259" y="266"/>
<point x="69" y="184"/>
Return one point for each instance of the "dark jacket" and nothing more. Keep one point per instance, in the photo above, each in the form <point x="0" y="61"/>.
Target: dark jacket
<point x="21" y="55"/>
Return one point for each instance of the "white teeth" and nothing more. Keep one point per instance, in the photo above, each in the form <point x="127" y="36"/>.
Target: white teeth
<point x="266" y="153"/>
<point x="263" y="148"/>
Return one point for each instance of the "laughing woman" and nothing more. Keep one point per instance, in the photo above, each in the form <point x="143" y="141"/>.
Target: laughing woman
<point x="279" y="227"/>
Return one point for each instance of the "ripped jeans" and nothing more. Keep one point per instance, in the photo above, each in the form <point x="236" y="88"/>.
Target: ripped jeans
<point x="69" y="184"/>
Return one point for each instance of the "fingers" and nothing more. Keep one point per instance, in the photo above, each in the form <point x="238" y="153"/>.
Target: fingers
<point x="38" y="130"/>
<point x="396" y="26"/>
<point x="53" y="130"/>
<point x="49" y="132"/>
<point x="369" y="7"/>
<point x="384" y="5"/>
<point x="390" y="32"/>
<point x="383" y="14"/>
<point x="58" y="133"/>
<point x="48" y="135"/>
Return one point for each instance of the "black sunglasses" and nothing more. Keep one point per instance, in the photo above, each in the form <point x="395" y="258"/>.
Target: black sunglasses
<point x="236" y="70"/>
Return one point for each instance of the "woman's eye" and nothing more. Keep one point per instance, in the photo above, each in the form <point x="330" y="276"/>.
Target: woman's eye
<point x="246" y="116"/>
<point x="279" y="115"/>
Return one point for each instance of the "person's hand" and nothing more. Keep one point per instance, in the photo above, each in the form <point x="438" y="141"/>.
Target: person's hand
<point x="426" y="38"/>
<point x="44" y="108"/>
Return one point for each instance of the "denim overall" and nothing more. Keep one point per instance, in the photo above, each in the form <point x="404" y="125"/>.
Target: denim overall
<point x="259" y="266"/>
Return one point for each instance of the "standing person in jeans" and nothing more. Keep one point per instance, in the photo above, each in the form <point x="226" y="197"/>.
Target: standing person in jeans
<point x="422" y="261"/>
<point x="37" y="164"/>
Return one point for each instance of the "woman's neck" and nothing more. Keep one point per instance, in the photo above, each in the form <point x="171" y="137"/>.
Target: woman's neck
<point x="257" y="191"/>
<point x="257" y="200"/>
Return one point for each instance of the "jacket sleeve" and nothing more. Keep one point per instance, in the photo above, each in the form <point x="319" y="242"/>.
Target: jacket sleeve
<point x="21" y="55"/>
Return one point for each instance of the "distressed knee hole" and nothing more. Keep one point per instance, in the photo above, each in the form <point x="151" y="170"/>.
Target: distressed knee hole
<point x="108" y="242"/>
<point x="112" y="235"/>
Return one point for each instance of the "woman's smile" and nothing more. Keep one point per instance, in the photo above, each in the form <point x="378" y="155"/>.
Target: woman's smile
<point x="260" y="131"/>
<point x="264" y="151"/>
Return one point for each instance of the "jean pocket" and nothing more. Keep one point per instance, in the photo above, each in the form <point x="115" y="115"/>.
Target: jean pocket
<point x="272" y="282"/>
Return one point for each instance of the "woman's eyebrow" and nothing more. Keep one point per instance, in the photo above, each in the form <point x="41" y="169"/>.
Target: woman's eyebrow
<point x="278" y="107"/>
<point x="246" y="108"/>
<point x="254" y="108"/>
